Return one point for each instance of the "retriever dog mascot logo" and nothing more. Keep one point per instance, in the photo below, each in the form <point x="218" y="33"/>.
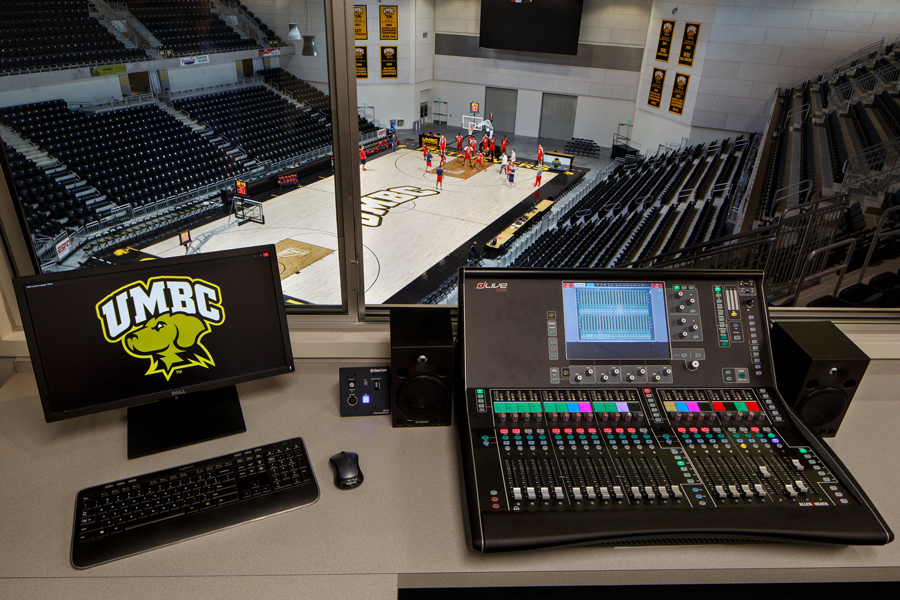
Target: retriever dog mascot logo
<point x="163" y="320"/>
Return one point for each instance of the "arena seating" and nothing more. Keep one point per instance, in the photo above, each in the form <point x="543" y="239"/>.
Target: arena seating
<point x="188" y="26"/>
<point x="584" y="147"/>
<point x="262" y="123"/>
<point x="133" y="155"/>
<point x="298" y="89"/>
<point x="54" y="34"/>
<point x="641" y="212"/>
<point x="48" y="204"/>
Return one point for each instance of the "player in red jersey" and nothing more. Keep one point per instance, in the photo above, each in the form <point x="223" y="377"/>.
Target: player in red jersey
<point x="540" y="171"/>
<point x="443" y="143"/>
<point x="362" y="157"/>
<point x="484" y="144"/>
<point x="459" y="142"/>
<point x="428" y="158"/>
<point x="468" y="156"/>
<point x="478" y="161"/>
<point x="540" y="154"/>
<point x="443" y="159"/>
<point x="493" y="148"/>
<point x="503" y="145"/>
<point x="440" y="177"/>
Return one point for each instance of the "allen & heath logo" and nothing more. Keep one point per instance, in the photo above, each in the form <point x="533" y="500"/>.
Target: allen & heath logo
<point x="163" y="320"/>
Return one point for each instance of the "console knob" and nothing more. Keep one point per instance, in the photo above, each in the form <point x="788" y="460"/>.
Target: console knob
<point x="578" y="378"/>
<point x="689" y="417"/>
<point x="503" y="417"/>
<point x="617" y="416"/>
<point x="677" y="416"/>
<point x="656" y="377"/>
<point x="680" y="308"/>
<point x="604" y="377"/>
<point x="628" y="416"/>
<point x="629" y="377"/>
<point x="639" y="416"/>
<point x="683" y="334"/>
<point x="577" y="417"/>
<point x="589" y="371"/>
<point x="515" y="417"/>
<point x="693" y="365"/>
<point x="691" y="300"/>
<point x="667" y="371"/>
<point x="694" y="327"/>
<point x="679" y="294"/>
<point x="682" y="321"/>
<point x="604" y="416"/>
<point x="526" y="417"/>
<point x="554" y="417"/>
<point x="701" y="416"/>
<point x="538" y="417"/>
<point x="589" y="416"/>
<point x="566" y="417"/>
<point x="615" y="371"/>
<point x="642" y="371"/>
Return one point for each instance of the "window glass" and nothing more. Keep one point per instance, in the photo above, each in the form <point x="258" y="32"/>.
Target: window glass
<point x="156" y="128"/>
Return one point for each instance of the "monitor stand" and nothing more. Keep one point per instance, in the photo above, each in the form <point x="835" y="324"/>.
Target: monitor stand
<point x="184" y="420"/>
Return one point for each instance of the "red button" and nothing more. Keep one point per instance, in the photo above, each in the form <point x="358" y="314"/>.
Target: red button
<point x="517" y="431"/>
<point x="693" y="430"/>
<point x="754" y="429"/>
<point x="647" y="391"/>
<point x="619" y="430"/>
<point x="704" y="429"/>
<point x="504" y="431"/>
<point x="495" y="506"/>
<point x="631" y="430"/>
<point x="495" y="499"/>
<point x="607" y="430"/>
<point x="579" y="431"/>
<point x="592" y="431"/>
<point x="681" y="430"/>
<point x="555" y="430"/>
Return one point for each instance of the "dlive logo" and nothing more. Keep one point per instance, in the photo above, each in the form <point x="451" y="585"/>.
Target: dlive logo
<point x="484" y="285"/>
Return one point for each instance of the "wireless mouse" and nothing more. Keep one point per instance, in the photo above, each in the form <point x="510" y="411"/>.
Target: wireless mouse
<point x="346" y="470"/>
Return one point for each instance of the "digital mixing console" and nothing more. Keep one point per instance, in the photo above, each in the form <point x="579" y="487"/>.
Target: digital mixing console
<point x="636" y="407"/>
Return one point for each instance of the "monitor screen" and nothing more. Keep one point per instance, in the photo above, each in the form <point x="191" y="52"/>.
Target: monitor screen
<point x="111" y="337"/>
<point x="609" y="320"/>
<point x="550" y="26"/>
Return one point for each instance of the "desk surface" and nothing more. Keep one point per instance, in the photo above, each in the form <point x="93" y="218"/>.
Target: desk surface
<point x="402" y="528"/>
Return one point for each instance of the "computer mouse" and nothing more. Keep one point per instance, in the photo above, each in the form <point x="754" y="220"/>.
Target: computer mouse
<point x="346" y="470"/>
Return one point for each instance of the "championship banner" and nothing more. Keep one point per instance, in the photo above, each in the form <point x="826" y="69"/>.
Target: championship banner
<point x="362" y="63"/>
<point x="679" y="93"/>
<point x="664" y="46"/>
<point x="656" y="87"/>
<point x="389" y="62"/>
<point x="190" y="61"/>
<point x="388" y="19"/>
<point x="359" y="22"/>
<point x="689" y="44"/>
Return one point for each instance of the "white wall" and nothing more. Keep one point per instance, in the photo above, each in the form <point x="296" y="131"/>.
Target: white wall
<point x="457" y="96"/>
<point x="187" y="78"/>
<point x="391" y="101"/>
<point x="650" y="130"/>
<point x="83" y="90"/>
<point x="598" y="118"/>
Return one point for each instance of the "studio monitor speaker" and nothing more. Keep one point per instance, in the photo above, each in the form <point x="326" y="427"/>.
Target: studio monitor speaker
<point x="422" y="366"/>
<point x="818" y="370"/>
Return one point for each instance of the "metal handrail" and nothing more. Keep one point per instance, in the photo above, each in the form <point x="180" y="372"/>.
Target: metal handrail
<point x="839" y="268"/>
<point x="875" y="238"/>
<point x="836" y="68"/>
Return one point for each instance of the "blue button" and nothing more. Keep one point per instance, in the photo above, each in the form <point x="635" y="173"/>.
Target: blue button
<point x="699" y="496"/>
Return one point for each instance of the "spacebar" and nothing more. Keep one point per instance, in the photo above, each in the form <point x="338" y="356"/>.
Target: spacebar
<point x="165" y="517"/>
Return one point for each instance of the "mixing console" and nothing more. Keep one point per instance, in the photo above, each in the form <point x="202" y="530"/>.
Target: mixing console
<point x="622" y="407"/>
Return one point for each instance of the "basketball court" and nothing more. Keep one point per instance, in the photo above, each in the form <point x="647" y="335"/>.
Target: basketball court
<point x="406" y="232"/>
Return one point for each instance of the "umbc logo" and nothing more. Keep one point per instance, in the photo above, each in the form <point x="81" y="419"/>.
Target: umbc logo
<point x="388" y="11"/>
<point x="388" y="52"/>
<point x="163" y="320"/>
<point x="360" y="52"/>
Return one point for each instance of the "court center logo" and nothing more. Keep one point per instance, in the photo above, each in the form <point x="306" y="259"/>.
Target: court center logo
<point x="163" y="320"/>
<point x="377" y="204"/>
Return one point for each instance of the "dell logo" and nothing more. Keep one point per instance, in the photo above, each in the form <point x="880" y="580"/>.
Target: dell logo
<point x="179" y="392"/>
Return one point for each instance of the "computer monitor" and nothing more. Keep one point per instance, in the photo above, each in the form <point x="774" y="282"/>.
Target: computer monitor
<point x="168" y="338"/>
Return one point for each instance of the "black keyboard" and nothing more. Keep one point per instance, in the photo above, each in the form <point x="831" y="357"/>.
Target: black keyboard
<point x="141" y="513"/>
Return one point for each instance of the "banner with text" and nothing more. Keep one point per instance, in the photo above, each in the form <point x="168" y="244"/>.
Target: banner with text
<point x="108" y="70"/>
<point x="664" y="46"/>
<point x="389" y="62"/>
<point x="389" y="23"/>
<point x="362" y="62"/>
<point x="689" y="44"/>
<point x="679" y="93"/>
<point x="656" y="87"/>
<point x="359" y="22"/>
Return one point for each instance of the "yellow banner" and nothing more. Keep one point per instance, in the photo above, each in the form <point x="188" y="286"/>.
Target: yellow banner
<point x="389" y="62"/>
<point x="656" y="87"/>
<point x="679" y="93"/>
<point x="388" y="18"/>
<point x="362" y="62"/>
<point x="108" y="70"/>
<point x="689" y="44"/>
<point x="359" y="22"/>
<point x="664" y="47"/>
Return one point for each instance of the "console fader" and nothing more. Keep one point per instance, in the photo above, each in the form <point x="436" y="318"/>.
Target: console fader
<point x="621" y="406"/>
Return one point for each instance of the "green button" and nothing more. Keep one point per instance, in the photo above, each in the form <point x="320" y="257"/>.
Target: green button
<point x="803" y="450"/>
<point x="680" y="463"/>
<point x="718" y="288"/>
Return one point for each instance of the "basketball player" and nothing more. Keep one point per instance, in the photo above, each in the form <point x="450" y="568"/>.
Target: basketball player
<point x="540" y="171"/>
<point x="512" y="158"/>
<point x="484" y="144"/>
<point x="478" y="161"/>
<point x="443" y="159"/>
<point x="468" y="157"/>
<point x="443" y="143"/>
<point x="503" y="144"/>
<point x="503" y="164"/>
<point x="512" y="175"/>
<point x="362" y="157"/>
<point x="459" y="143"/>
<point x="540" y="154"/>
<point x="428" y="158"/>
<point x="493" y="149"/>
<point x="440" y="178"/>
